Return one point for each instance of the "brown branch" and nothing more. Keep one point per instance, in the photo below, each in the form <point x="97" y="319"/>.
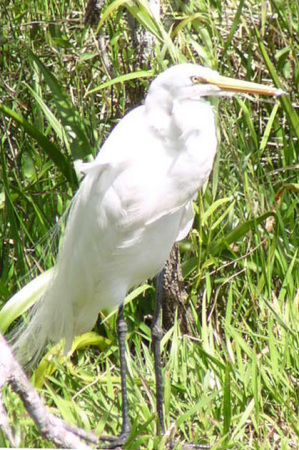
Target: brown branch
<point x="51" y="427"/>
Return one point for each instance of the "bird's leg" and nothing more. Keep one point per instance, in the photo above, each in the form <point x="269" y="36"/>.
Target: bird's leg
<point x="122" y="329"/>
<point x="157" y="334"/>
<point x="115" y="441"/>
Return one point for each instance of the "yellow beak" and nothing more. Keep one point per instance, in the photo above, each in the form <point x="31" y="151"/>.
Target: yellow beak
<point x="230" y="84"/>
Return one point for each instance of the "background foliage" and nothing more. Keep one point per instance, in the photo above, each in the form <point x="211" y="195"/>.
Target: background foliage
<point x="234" y="381"/>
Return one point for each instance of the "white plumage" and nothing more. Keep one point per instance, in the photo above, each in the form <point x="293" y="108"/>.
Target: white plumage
<point x="133" y="204"/>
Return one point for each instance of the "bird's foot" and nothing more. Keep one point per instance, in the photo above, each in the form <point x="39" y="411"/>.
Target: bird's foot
<point x="115" y="442"/>
<point x="190" y="446"/>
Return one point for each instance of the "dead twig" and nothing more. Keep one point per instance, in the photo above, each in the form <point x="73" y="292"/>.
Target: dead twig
<point x="51" y="427"/>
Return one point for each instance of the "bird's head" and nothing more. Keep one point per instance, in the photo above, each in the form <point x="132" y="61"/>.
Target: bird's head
<point x="181" y="85"/>
<point x="191" y="81"/>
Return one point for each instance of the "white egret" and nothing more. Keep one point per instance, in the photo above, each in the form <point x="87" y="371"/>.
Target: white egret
<point x="133" y="204"/>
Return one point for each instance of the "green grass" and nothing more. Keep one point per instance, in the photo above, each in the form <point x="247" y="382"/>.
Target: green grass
<point x="234" y="381"/>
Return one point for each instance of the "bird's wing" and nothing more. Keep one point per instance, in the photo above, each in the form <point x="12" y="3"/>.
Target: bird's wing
<point x="125" y="141"/>
<point x="134" y="182"/>
<point x="92" y="167"/>
<point x="186" y="221"/>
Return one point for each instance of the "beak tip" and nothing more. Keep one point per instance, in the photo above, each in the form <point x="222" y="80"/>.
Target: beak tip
<point x="279" y="93"/>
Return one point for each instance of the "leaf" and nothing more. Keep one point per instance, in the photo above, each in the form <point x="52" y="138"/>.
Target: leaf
<point x="286" y="187"/>
<point x="238" y="232"/>
<point x="69" y="116"/>
<point x="233" y="28"/>
<point x="109" y="11"/>
<point x="215" y="205"/>
<point x="284" y="99"/>
<point x="88" y="339"/>
<point x="131" y="296"/>
<point x="186" y="21"/>
<point x="227" y="413"/>
<point x="202" y="404"/>
<point x="47" y="366"/>
<point x="248" y="120"/>
<point x="139" y="10"/>
<point x="50" y="149"/>
<point x="53" y="121"/>
<point x="122" y="79"/>
<point x="142" y="13"/>
<point x="242" y="419"/>
<point x="23" y="300"/>
<point x="267" y="131"/>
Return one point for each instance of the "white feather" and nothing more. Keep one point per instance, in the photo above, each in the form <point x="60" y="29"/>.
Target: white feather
<point x="134" y="203"/>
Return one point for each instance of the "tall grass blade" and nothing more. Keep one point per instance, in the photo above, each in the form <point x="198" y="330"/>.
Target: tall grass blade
<point x="70" y="118"/>
<point x="52" y="151"/>
<point x="284" y="99"/>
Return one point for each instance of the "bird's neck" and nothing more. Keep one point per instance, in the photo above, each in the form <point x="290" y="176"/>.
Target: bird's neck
<point x="158" y="110"/>
<point x="177" y="120"/>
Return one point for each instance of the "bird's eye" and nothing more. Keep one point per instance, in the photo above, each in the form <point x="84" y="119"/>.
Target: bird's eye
<point x="199" y="80"/>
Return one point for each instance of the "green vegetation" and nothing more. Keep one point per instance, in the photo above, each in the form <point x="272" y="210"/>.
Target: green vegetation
<point x="234" y="382"/>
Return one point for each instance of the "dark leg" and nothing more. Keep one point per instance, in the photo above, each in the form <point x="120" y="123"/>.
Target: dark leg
<point x="157" y="334"/>
<point x="115" y="441"/>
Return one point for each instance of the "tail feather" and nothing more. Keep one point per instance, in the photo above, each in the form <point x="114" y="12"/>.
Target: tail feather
<point x="52" y="317"/>
<point x="83" y="281"/>
<point x="49" y="320"/>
